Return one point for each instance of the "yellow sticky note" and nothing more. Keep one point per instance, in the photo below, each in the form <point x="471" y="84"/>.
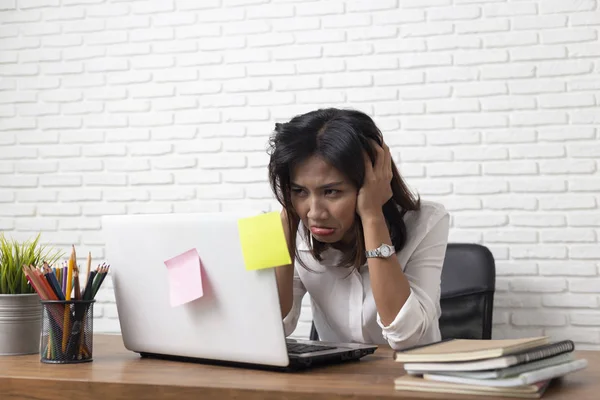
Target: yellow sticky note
<point x="263" y="241"/>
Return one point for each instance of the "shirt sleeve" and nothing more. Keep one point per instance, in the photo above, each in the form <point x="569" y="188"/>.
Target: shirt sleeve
<point x="422" y="308"/>
<point x="291" y="320"/>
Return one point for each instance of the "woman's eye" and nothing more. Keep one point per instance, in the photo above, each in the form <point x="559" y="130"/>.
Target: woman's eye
<point x="331" y="192"/>
<point x="297" y="191"/>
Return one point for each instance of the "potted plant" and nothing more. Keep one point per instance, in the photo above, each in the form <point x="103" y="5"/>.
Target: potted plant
<point x="20" y="308"/>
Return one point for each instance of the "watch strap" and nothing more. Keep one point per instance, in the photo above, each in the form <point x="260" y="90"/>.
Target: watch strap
<point x="376" y="253"/>
<point x="373" y="253"/>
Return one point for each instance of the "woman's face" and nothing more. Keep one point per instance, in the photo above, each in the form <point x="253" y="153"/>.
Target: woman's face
<point x="324" y="199"/>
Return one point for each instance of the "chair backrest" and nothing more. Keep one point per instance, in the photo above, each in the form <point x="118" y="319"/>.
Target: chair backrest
<point x="468" y="286"/>
<point x="467" y="298"/>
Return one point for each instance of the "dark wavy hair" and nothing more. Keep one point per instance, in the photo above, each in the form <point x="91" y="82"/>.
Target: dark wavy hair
<point x="340" y="137"/>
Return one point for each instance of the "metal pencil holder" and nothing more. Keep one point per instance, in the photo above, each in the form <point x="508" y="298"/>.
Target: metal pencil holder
<point x="67" y="331"/>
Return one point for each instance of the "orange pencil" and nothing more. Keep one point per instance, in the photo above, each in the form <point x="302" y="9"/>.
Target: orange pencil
<point x="44" y="282"/>
<point x="34" y="283"/>
<point x="51" y="296"/>
<point x="39" y="284"/>
<point x="45" y="292"/>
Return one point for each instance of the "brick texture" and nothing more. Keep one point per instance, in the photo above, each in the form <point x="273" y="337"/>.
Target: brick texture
<point x="490" y="107"/>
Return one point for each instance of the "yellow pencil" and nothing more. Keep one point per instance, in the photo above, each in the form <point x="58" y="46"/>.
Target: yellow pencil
<point x="66" y="321"/>
<point x="69" y="278"/>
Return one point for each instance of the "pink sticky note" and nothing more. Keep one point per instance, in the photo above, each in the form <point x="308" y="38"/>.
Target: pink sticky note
<point x="185" y="277"/>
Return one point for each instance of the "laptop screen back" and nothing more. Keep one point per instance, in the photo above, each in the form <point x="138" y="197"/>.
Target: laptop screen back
<point x="237" y="318"/>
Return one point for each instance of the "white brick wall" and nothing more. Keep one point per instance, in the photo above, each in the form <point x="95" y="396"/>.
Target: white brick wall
<point x="491" y="107"/>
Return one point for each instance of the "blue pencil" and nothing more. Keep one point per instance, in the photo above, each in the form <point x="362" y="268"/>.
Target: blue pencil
<point x="51" y="278"/>
<point x="64" y="279"/>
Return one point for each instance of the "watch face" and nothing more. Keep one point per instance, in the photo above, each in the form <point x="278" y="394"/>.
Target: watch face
<point x="386" y="251"/>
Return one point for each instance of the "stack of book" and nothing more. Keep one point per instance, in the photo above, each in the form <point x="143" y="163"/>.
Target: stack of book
<point x="507" y="368"/>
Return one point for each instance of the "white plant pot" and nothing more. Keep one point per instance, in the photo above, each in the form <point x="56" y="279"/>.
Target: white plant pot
<point x="20" y="324"/>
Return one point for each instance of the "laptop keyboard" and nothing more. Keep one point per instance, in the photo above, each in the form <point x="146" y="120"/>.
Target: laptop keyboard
<point x="300" y="348"/>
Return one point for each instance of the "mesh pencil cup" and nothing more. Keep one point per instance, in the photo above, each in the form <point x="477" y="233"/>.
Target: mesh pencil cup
<point x="67" y="331"/>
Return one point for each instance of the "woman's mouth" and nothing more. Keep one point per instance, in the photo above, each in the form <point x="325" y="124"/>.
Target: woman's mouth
<point x="321" y="231"/>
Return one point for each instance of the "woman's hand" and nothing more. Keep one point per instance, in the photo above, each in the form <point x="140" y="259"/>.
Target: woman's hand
<point x="377" y="188"/>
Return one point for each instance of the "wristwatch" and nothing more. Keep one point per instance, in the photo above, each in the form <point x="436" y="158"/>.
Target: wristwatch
<point x="383" y="251"/>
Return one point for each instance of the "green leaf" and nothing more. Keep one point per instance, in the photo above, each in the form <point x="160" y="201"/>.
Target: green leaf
<point x="13" y="255"/>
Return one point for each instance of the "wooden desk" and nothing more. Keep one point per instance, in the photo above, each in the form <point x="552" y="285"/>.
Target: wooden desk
<point x="117" y="374"/>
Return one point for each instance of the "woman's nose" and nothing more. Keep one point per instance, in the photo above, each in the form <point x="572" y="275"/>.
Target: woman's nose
<point x="316" y="210"/>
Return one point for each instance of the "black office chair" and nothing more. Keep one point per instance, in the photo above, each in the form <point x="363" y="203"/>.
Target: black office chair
<point x="467" y="298"/>
<point x="468" y="285"/>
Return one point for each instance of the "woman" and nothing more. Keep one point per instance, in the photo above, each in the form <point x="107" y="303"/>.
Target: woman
<point x="369" y="254"/>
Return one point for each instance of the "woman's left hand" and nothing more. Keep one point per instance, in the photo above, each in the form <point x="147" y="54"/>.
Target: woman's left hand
<point x="377" y="188"/>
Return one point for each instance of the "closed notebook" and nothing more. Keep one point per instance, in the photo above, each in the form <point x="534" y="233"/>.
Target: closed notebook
<point x="467" y="349"/>
<point x="504" y="372"/>
<point x="418" y="384"/>
<point x="523" y="357"/>
<point x="526" y="378"/>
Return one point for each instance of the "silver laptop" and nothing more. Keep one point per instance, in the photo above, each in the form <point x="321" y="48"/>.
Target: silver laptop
<point x="237" y="319"/>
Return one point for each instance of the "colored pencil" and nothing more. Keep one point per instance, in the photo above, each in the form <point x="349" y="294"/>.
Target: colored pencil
<point x="64" y="279"/>
<point x="89" y="265"/>
<point x="77" y="294"/>
<point x="66" y="333"/>
<point x="87" y="292"/>
<point x="66" y="321"/>
<point x="103" y="274"/>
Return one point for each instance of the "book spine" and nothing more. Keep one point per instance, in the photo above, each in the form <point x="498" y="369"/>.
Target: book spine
<point x="546" y="351"/>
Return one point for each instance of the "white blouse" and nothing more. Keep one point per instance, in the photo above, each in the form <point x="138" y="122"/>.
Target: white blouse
<point x="342" y="301"/>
